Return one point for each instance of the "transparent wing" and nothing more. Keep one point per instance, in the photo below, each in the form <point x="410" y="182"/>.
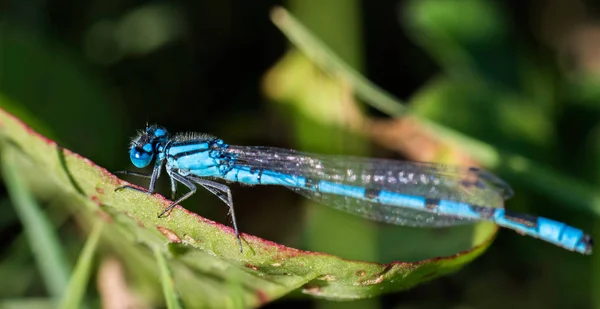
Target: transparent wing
<point x="461" y="184"/>
<point x="381" y="212"/>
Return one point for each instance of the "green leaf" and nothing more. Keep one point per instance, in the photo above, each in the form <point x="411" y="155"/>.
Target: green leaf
<point x="204" y="256"/>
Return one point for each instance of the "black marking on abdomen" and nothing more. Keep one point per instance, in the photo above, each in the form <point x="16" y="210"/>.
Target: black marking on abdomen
<point x="372" y="194"/>
<point x="562" y="231"/>
<point x="432" y="203"/>
<point x="484" y="212"/>
<point x="312" y="184"/>
<point x="258" y="177"/>
<point x="527" y="220"/>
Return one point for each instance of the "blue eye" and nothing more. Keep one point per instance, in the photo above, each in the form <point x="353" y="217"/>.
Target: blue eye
<point x="140" y="158"/>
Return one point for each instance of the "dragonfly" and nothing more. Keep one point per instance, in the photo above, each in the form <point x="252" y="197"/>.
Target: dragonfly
<point x="396" y="192"/>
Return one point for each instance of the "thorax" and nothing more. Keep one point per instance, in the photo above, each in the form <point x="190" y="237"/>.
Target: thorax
<point x="202" y="158"/>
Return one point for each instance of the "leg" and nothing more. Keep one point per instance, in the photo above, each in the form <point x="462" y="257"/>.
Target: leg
<point x="136" y="174"/>
<point x="173" y="187"/>
<point x="186" y="183"/>
<point x="130" y="187"/>
<point x="132" y="174"/>
<point x="153" y="177"/>
<point x="223" y="192"/>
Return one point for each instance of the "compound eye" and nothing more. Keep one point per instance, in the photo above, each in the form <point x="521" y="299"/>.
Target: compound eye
<point x="140" y="157"/>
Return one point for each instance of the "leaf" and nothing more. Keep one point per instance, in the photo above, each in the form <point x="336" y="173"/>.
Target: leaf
<point x="204" y="256"/>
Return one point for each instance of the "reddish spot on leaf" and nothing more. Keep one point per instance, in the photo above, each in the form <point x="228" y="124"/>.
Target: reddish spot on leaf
<point x="96" y="200"/>
<point x="30" y="131"/>
<point x="283" y="253"/>
<point x="263" y="297"/>
<point x="378" y="278"/>
<point x="253" y="267"/>
<point x="134" y="218"/>
<point x="99" y="190"/>
<point x="372" y="280"/>
<point x="170" y="235"/>
<point x="189" y="239"/>
<point x="327" y="278"/>
<point x="312" y="289"/>
<point x="104" y="216"/>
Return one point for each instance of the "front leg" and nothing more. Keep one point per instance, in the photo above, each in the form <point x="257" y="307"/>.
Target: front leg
<point x="130" y="173"/>
<point x="155" y="174"/>
<point x="136" y="174"/>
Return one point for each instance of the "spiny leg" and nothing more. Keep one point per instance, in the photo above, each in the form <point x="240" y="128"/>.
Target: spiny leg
<point x="130" y="187"/>
<point x="136" y="174"/>
<point x="155" y="174"/>
<point x="186" y="183"/>
<point x="218" y="189"/>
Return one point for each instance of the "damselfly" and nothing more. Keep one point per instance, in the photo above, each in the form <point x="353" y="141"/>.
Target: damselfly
<point x="396" y="192"/>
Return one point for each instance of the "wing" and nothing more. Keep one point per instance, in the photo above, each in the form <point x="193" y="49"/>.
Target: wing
<point x="381" y="212"/>
<point x="434" y="181"/>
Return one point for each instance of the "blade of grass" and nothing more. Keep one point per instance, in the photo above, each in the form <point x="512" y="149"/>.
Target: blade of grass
<point x="319" y="53"/>
<point x="531" y="173"/>
<point x="166" y="280"/>
<point x="81" y="274"/>
<point x="41" y="235"/>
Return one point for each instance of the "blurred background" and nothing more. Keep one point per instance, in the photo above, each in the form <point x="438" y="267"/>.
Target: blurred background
<point x="518" y="77"/>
